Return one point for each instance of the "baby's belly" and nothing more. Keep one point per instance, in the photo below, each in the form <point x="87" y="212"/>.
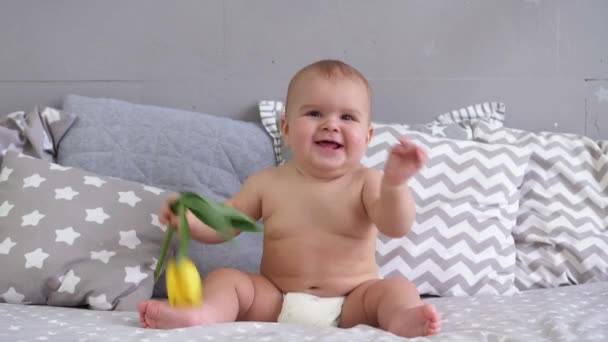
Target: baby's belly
<point x="328" y="269"/>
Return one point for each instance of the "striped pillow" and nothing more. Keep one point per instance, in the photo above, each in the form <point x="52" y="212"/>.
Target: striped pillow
<point x="562" y="225"/>
<point x="487" y="111"/>
<point x="466" y="201"/>
<point x="446" y="125"/>
<point x="270" y="114"/>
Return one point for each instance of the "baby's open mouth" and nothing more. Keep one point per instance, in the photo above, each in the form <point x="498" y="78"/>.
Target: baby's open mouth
<point x="329" y="144"/>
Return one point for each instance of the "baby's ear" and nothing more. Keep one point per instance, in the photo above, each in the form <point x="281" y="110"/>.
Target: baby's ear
<point x="370" y="134"/>
<point x="284" y="126"/>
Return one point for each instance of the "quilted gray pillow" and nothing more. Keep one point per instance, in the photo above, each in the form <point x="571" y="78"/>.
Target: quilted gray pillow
<point x="562" y="224"/>
<point x="176" y="150"/>
<point x="466" y="200"/>
<point x="72" y="238"/>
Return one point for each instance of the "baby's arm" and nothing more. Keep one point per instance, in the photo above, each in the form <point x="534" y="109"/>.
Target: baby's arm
<point x="247" y="201"/>
<point x="387" y="197"/>
<point x="390" y="207"/>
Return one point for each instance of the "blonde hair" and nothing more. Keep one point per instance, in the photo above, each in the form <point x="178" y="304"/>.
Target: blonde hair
<point x="328" y="68"/>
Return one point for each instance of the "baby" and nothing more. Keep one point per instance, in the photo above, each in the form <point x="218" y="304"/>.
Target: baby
<point x="321" y="213"/>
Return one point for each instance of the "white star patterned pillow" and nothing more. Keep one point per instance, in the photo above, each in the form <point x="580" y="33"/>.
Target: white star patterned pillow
<point x="72" y="238"/>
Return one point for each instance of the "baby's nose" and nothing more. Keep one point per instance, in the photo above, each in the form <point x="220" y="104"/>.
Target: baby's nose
<point x="330" y="125"/>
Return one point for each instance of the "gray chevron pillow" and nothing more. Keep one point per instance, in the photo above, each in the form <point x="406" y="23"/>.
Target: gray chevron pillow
<point x="466" y="201"/>
<point x="562" y="224"/>
<point x="603" y="145"/>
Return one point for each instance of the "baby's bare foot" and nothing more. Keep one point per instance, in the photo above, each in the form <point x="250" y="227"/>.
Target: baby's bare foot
<point x="419" y="321"/>
<point x="160" y="315"/>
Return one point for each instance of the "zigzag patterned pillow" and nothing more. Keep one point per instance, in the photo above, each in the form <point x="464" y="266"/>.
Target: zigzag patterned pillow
<point x="466" y="201"/>
<point x="603" y="145"/>
<point x="562" y="225"/>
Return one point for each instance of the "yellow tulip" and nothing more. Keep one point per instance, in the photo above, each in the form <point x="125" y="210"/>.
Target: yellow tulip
<point x="184" y="287"/>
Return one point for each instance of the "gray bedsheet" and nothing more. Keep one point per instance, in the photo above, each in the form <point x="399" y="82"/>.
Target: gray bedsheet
<point x="575" y="313"/>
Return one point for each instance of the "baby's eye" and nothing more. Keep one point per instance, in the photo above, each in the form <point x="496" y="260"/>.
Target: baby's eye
<point x="348" y="117"/>
<point x="314" y="113"/>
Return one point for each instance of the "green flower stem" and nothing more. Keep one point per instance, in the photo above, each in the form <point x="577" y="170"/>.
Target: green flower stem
<point x="184" y="232"/>
<point x="163" y="253"/>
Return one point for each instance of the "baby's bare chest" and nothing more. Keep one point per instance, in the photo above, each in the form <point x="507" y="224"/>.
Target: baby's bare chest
<point x="306" y="208"/>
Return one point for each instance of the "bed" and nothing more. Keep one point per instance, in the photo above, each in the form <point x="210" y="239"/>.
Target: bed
<point x="509" y="243"/>
<point x="573" y="313"/>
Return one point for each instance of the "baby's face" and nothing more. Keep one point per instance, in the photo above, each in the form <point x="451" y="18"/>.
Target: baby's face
<point x="328" y="124"/>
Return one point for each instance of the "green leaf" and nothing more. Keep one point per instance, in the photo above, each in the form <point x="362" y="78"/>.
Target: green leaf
<point x="219" y="216"/>
<point x="205" y="212"/>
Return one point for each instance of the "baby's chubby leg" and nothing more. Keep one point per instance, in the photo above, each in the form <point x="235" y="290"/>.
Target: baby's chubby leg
<point x="394" y="305"/>
<point x="228" y="295"/>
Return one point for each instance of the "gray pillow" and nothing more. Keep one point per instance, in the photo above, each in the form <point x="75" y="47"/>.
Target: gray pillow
<point x="176" y="150"/>
<point x="71" y="238"/>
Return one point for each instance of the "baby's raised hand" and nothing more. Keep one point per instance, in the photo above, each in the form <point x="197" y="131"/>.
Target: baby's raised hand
<point x="404" y="161"/>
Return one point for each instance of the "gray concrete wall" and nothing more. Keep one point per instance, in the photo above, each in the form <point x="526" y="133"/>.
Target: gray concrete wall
<point x="546" y="59"/>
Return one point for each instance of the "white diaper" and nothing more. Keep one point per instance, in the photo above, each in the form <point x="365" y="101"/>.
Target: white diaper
<point x="304" y="308"/>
